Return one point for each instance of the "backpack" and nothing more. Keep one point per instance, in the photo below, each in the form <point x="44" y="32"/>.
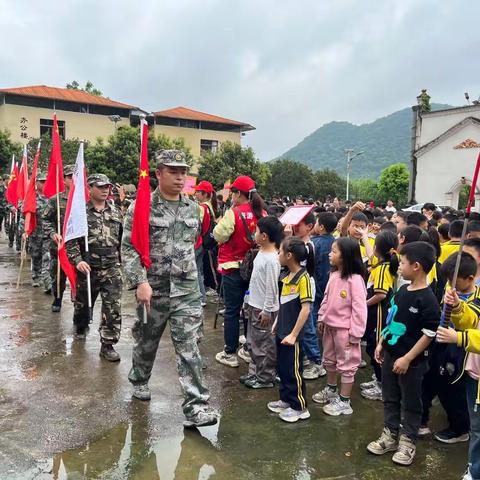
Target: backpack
<point x="246" y="265"/>
<point x="208" y="240"/>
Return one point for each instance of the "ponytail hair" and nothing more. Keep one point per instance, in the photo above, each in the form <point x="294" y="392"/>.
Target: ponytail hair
<point x="214" y="202"/>
<point x="256" y="203"/>
<point x="301" y="252"/>
<point x="386" y="244"/>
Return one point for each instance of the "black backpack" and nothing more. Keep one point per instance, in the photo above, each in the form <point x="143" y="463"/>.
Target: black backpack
<point x="246" y="265"/>
<point x="208" y="240"/>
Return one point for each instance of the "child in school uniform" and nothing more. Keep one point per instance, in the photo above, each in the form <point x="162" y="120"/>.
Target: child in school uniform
<point x="465" y="303"/>
<point x="295" y="301"/>
<point x="342" y="319"/>
<point x="263" y="304"/>
<point x="380" y="287"/>
<point x="402" y="352"/>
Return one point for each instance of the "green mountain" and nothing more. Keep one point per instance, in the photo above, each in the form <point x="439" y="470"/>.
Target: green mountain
<point x="384" y="141"/>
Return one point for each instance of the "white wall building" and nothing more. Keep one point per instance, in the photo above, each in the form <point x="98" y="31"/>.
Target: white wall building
<point x="445" y="147"/>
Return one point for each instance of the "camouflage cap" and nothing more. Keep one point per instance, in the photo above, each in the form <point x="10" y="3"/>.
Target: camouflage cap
<point x="68" y="170"/>
<point x="171" y="158"/>
<point x="99" y="180"/>
<point x="41" y="176"/>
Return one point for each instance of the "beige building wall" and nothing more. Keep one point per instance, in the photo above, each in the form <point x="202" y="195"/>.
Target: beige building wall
<point x="84" y="126"/>
<point x="192" y="136"/>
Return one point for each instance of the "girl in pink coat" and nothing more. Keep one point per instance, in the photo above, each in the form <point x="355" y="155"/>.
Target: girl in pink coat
<point x="342" y="319"/>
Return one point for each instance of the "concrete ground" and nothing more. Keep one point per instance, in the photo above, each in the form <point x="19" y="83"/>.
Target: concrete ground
<point x="67" y="414"/>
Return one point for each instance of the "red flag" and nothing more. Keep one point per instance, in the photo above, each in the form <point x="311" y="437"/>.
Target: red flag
<point x="55" y="166"/>
<point x="141" y="212"/>
<point x="30" y="202"/>
<point x="22" y="183"/>
<point x="11" y="192"/>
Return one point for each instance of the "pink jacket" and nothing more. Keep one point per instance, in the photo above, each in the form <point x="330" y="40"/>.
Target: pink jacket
<point x="344" y="305"/>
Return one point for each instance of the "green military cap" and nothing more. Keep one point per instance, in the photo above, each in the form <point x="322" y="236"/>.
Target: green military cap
<point x="171" y="158"/>
<point x="41" y="176"/>
<point x="6" y="176"/>
<point x="99" y="180"/>
<point x="68" y="170"/>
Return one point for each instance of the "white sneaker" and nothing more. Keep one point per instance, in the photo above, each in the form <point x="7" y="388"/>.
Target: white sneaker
<point x="324" y="396"/>
<point x="244" y="354"/>
<point x="467" y="475"/>
<point x="367" y="385"/>
<point x="229" y="359"/>
<point x="290" y="415"/>
<point x="374" y="393"/>
<point x="211" y="292"/>
<point x="424" y="431"/>
<point x="406" y="451"/>
<point x="338" y="407"/>
<point x="311" y="371"/>
<point x="278" y="406"/>
<point x="387" y="442"/>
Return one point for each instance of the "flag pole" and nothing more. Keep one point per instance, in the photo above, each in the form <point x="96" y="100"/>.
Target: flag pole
<point x="57" y="181"/>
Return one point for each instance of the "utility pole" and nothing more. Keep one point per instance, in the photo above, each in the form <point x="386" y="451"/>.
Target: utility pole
<point x="350" y="157"/>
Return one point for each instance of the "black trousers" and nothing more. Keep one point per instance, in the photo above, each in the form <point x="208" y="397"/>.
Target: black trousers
<point x="402" y="396"/>
<point x="290" y="369"/>
<point x="452" y="396"/>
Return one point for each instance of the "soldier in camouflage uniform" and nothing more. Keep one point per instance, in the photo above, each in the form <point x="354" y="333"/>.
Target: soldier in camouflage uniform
<point x="35" y="240"/>
<point x="103" y="262"/>
<point x="50" y="233"/>
<point x="169" y="288"/>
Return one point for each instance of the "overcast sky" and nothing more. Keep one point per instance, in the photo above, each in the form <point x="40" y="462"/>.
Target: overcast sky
<point x="284" y="66"/>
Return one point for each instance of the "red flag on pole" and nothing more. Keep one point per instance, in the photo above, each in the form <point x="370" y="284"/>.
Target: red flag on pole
<point x="11" y="192"/>
<point x="30" y="202"/>
<point x="141" y="212"/>
<point x="50" y="188"/>
<point x="22" y="184"/>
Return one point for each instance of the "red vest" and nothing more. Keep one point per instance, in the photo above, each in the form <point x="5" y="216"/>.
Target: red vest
<point x="235" y="249"/>
<point x="205" y="225"/>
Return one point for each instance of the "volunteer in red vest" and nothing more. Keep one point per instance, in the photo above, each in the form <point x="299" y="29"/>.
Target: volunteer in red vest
<point x="206" y="197"/>
<point x="234" y="236"/>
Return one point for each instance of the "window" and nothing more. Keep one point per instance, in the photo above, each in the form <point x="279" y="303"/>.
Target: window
<point x="46" y="127"/>
<point x="209" y="146"/>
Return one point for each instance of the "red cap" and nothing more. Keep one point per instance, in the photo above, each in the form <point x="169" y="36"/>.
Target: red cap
<point x="244" y="184"/>
<point x="204" y="186"/>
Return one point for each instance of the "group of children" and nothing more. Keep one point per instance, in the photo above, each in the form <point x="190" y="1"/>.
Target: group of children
<point x="325" y="286"/>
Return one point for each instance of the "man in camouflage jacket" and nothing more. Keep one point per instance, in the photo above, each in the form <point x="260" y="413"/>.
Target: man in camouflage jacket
<point x="169" y="289"/>
<point x="102" y="262"/>
<point x="50" y="233"/>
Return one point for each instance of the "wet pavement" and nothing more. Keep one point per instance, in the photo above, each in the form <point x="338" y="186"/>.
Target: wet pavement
<point x="67" y="414"/>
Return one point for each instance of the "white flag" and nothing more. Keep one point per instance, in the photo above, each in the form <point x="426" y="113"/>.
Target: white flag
<point x="75" y="224"/>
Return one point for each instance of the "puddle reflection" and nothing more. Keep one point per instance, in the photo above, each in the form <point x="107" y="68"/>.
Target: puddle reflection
<point x="128" y="452"/>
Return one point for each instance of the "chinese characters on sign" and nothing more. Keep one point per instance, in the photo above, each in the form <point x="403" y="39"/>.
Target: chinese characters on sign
<point x="24" y="128"/>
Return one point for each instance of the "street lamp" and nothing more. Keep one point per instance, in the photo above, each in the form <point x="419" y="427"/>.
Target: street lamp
<point x="350" y="157"/>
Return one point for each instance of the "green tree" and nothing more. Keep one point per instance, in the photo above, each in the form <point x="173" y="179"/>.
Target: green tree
<point x="118" y="157"/>
<point x="364" y="189"/>
<point x="290" y="178"/>
<point x="393" y="184"/>
<point x="230" y="161"/>
<point x="69" y="150"/>
<point x="8" y="148"/>
<point x="89" y="88"/>
<point x="329" y="183"/>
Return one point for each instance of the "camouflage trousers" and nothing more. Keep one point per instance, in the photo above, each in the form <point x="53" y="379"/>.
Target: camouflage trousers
<point x="45" y="273"/>
<point x="184" y="317"/>
<point x="107" y="283"/>
<point x="35" y="247"/>
<point x="53" y="275"/>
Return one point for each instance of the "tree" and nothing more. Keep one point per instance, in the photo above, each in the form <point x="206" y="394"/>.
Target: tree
<point x="230" y="161"/>
<point x="7" y="150"/>
<point x="329" y="183"/>
<point x="393" y="184"/>
<point x="364" y="189"/>
<point x="290" y="178"/>
<point x="89" y="88"/>
<point x="119" y="156"/>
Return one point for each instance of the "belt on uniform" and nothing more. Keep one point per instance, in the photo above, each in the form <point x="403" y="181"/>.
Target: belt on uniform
<point x="104" y="251"/>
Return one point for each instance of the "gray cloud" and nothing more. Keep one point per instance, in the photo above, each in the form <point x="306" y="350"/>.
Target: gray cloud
<point x="284" y="66"/>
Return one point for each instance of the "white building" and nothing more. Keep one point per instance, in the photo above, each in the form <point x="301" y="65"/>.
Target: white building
<point x="445" y="147"/>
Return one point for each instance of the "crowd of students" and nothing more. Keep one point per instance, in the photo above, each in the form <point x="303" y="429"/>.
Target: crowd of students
<point x="312" y="294"/>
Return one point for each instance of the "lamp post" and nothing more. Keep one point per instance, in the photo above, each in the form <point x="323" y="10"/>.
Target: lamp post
<point x="350" y="157"/>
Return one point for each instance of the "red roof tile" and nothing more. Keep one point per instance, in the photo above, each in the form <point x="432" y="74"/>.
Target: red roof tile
<point x="188" y="114"/>
<point x="54" y="93"/>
